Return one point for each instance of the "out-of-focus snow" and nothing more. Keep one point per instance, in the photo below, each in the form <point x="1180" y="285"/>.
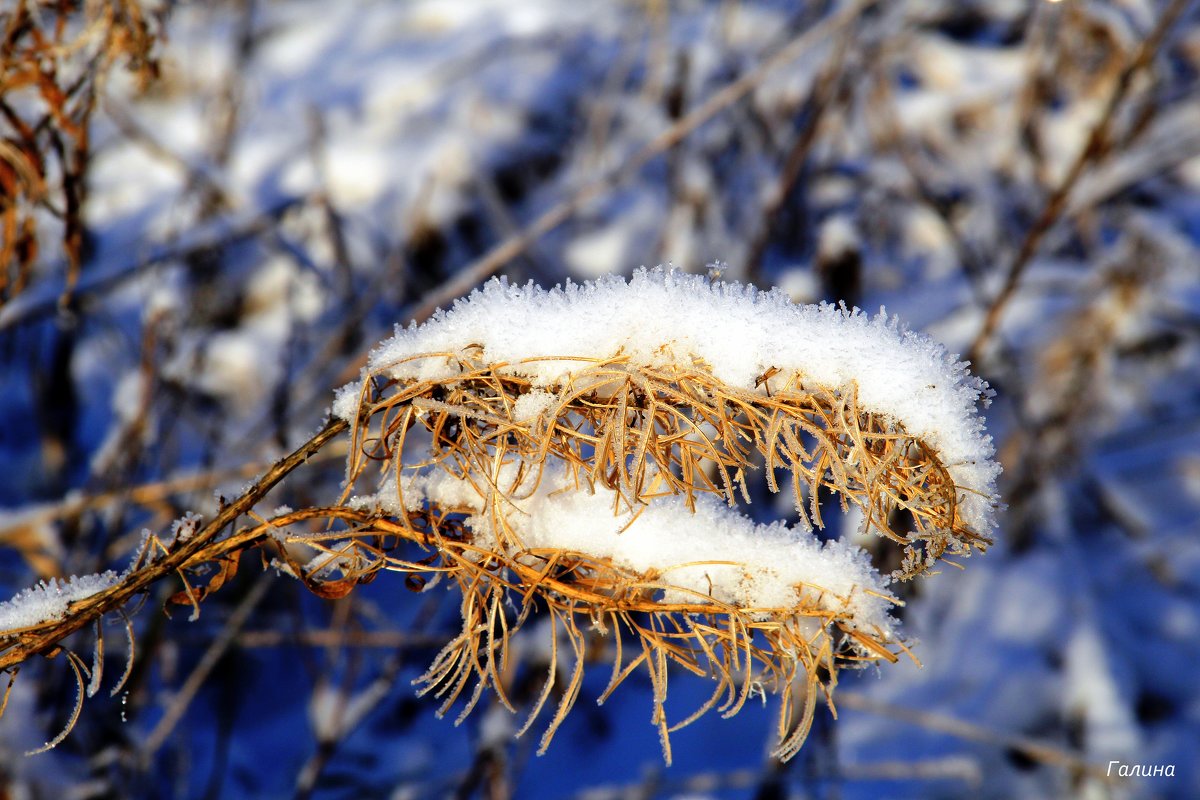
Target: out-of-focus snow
<point x="1095" y="698"/>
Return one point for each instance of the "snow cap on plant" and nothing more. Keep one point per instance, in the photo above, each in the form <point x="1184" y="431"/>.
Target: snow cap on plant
<point x="582" y="452"/>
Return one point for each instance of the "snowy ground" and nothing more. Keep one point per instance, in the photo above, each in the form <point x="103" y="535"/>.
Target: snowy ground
<point x="305" y="175"/>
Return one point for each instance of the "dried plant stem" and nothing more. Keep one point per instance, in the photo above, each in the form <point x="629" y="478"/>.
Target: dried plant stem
<point x="183" y="698"/>
<point x="641" y="432"/>
<point x="53" y="62"/>
<point x="672" y="430"/>
<point x="202" y="547"/>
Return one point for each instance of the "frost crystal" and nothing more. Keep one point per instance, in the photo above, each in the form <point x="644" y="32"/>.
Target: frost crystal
<point x="49" y="599"/>
<point x="186" y="526"/>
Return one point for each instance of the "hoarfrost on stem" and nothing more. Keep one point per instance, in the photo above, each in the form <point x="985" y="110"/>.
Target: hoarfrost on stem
<point x="50" y="599"/>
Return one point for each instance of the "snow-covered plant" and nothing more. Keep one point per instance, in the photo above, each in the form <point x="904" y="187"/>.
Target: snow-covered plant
<point x="581" y="453"/>
<point x="580" y="456"/>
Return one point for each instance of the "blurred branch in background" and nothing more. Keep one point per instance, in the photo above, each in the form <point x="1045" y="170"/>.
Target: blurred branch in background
<point x="54" y="62"/>
<point x="1099" y="145"/>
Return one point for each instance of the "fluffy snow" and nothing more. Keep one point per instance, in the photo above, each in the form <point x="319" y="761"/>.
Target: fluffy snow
<point x="715" y="552"/>
<point x="661" y="317"/>
<point x="532" y="405"/>
<point x="49" y="599"/>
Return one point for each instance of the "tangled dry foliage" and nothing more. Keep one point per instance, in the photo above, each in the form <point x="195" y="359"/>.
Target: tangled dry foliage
<point x="646" y="433"/>
<point x="642" y="432"/>
<point x="54" y="57"/>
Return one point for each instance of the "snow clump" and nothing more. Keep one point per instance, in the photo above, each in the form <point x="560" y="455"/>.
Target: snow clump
<point x="660" y="317"/>
<point x="50" y="599"/>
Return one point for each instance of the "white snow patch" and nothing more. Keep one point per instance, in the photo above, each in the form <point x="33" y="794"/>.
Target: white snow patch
<point x="1093" y="692"/>
<point x="837" y="237"/>
<point x="800" y="284"/>
<point x="532" y="405"/>
<point x="598" y="252"/>
<point x="497" y="728"/>
<point x="660" y="318"/>
<point x="357" y="175"/>
<point x="326" y="709"/>
<point x="49" y="599"/>
<point x="715" y="552"/>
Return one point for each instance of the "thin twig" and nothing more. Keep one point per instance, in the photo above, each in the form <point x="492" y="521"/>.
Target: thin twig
<point x="221" y="233"/>
<point x="86" y="611"/>
<point x="1039" y="751"/>
<point x="324" y="638"/>
<point x="145" y="494"/>
<point x="827" y="83"/>
<point x="212" y="656"/>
